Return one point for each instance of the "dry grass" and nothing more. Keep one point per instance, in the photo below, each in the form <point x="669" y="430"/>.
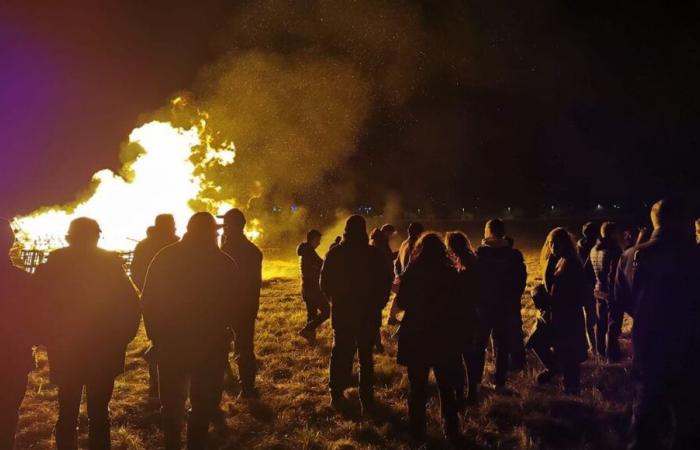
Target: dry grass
<point x="294" y="411"/>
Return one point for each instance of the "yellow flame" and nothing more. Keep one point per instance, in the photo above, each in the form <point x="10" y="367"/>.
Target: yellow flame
<point x="164" y="181"/>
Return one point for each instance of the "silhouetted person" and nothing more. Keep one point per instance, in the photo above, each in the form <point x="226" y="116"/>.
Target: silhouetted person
<point x="188" y="302"/>
<point x="503" y="275"/>
<point x="379" y="238"/>
<point x="629" y="237"/>
<point x="603" y="261"/>
<point x="92" y="314"/>
<point x="658" y="281"/>
<point x="336" y="242"/>
<point x="159" y="235"/>
<point x="430" y="333"/>
<point x="356" y="280"/>
<point x="19" y="330"/>
<point x="318" y="310"/>
<point x="559" y="340"/>
<point x="474" y="338"/>
<point x="589" y="233"/>
<point x="403" y="258"/>
<point x="249" y="259"/>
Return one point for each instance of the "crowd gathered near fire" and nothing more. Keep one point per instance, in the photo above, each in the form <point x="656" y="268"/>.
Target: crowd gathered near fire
<point x="198" y="295"/>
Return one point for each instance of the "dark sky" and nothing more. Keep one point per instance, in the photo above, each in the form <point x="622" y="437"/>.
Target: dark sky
<point x="560" y="103"/>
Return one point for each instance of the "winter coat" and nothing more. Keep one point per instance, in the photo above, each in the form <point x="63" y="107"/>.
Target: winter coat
<point x="404" y="255"/>
<point x="91" y="310"/>
<point x="357" y="281"/>
<point x="19" y="320"/>
<point x="502" y="275"/>
<point x="603" y="261"/>
<point x="432" y="331"/>
<point x="565" y="283"/>
<point x="248" y="258"/>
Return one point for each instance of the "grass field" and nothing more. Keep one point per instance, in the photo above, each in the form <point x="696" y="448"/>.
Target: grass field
<point x="294" y="413"/>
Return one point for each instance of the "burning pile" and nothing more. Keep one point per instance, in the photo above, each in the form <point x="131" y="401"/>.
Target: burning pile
<point x="166" y="176"/>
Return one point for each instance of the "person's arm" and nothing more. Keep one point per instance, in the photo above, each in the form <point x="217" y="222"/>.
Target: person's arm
<point x="128" y="313"/>
<point x="152" y="297"/>
<point x="622" y="294"/>
<point x="329" y="273"/>
<point x="612" y="273"/>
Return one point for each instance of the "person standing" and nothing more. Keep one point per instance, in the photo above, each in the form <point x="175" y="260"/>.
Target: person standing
<point x="561" y="346"/>
<point x="429" y="334"/>
<point x="503" y="275"/>
<point x="357" y="281"/>
<point x="603" y="261"/>
<point x="590" y="235"/>
<point x="160" y="235"/>
<point x="19" y="330"/>
<point x="92" y="313"/>
<point x="379" y="238"/>
<point x="403" y="258"/>
<point x="249" y="258"/>
<point x="318" y="310"/>
<point x="658" y="282"/>
<point x="188" y="303"/>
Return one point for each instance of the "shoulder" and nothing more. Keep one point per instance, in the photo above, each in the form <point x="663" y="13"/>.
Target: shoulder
<point x="517" y="254"/>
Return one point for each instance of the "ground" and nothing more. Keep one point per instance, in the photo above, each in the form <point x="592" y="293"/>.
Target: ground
<point x="294" y="412"/>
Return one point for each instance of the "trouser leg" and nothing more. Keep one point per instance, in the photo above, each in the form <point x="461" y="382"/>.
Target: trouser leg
<point x="342" y="354"/>
<point x="460" y="381"/>
<point x="516" y="339"/>
<point x="318" y="310"/>
<point x="205" y="393"/>
<point x="572" y="375"/>
<point x="444" y="375"/>
<point x="365" y="342"/>
<point x="98" y="394"/>
<point x="601" y="329"/>
<point x="589" y="308"/>
<point x="542" y="346"/>
<point x="615" y="318"/>
<point x="311" y="309"/>
<point x="475" y="359"/>
<point x="501" y="351"/>
<point x="13" y="387"/>
<point x="649" y="413"/>
<point x="247" y="364"/>
<point x="417" y="397"/>
<point x="151" y="357"/>
<point x="69" y="396"/>
<point x="173" y="381"/>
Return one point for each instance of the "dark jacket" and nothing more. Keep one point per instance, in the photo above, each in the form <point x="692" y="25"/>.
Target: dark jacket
<point x="584" y="247"/>
<point x="189" y="300"/>
<point x="357" y="282"/>
<point x="502" y="275"/>
<point x="432" y="328"/>
<point x="603" y="262"/>
<point x="143" y="255"/>
<point x="310" y="264"/>
<point x="19" y="320"/>
<point x="403" y="257"/>
<point x="92" y="313"/>
<point x="565" y="283"/>
<point x="249" y="259"/>
<point x="657" y="282"/>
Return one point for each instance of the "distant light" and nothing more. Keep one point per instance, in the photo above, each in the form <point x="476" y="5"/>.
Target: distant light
<point x="599" y="207"/>
<point x="552" y="207"/>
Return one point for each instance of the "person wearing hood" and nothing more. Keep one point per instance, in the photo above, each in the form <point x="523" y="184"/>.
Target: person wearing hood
<point x="603" y="262"/>
<point x="357" y="281"/>
<point x="190" y="297"/>
<point x="249" y="259"/>
<point x="401" y="261"/>
<point x="589" y="237"/>
<point x="92" y="313"/>
<point x="658" y="282"/>
<point x="19" y="331"/>
<point x="503" y="276"/>
<point x="318" y="309"/>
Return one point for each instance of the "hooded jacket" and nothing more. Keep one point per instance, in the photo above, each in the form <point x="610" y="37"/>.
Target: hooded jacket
<point x="310" y="264"/>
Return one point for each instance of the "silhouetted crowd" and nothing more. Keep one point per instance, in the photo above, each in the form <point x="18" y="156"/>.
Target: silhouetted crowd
<point x="199" y="299"/>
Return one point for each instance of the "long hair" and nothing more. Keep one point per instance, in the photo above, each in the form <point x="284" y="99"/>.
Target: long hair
<point x="564" y="240"/>
<point x="430" y="250"/>
<point x="460" y="249"/>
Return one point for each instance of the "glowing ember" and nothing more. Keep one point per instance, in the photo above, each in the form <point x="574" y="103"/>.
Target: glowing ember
<point x="162" y="179"/>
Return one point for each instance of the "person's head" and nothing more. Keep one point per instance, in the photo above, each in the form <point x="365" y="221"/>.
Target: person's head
<point x="165" y="223"/>
<point x="338" y="239"/>
<point x="608" y="230"/>
<point x="313" y="238"/>
<point x="83" y="232"/>
<point x="355" y="229"/>
<point x="376" y="236"/>
<point x="202" y="228"/>
<point x="458" y="244"/>
<point x="560" y="244"/>
<point x="669" y="213"/>
<point x="430" y="250"/>
<point x="7" y="237"/>
<point x="151" y="231"/>
<point x="495" y="229"/>
<point x="388" y="230"/>
<point x="234" y="222"/>
<point x="590" y="231"/>
<point x="415" y="229"/>
<point x="697" y="230"/>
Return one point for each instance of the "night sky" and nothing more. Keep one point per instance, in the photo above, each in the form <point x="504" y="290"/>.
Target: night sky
<point x="520" y="105"/>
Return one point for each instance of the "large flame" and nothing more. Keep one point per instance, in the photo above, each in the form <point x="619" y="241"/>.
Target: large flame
<point x="162" y="179"/>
